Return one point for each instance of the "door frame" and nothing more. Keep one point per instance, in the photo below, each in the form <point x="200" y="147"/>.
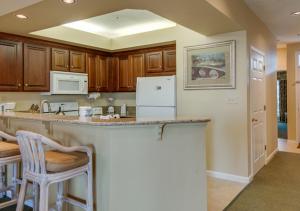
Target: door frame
<point x="252" y="48"/>
<point x="297" y="84"/>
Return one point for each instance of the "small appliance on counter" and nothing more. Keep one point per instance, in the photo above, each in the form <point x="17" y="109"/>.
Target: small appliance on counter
<point x="156" y="97"/>
<point x="123" y="112"/>
<point x="85" y="111"/>
<point x="4" y="107"/>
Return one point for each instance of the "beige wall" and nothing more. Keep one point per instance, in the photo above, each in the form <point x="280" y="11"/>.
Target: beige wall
<point x="291" y="89"/>
<point x="281" y="59"/>
<point x="227" y="142"/>
<point x="262" y="39"/>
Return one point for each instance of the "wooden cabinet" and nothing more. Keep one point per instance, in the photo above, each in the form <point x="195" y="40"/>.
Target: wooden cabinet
<point x="65" y="60"/>
<point x="60" y="59"/>
<point x="154" y="62"/>
<point x="102" y="74"/>
<point x="137" y="64"/>
<point x="36" y="67"/>
<point x="169" y="60"/>
<point x="11" y="73"/>
<point x="124" y="74"/>
<point x="77" y="61"/>
<point x="162" y="62"/>
<point x="98" y="72"/>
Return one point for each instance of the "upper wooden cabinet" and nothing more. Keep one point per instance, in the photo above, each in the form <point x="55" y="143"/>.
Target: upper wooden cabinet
<point x="154" y="62"/>
<point x="36" y="67"/>
<point x="137" y="64"/>
<point x="161" y="62"/>
<point x="124" y="74"/>
<point x="60" y="59"/>
<point x="169" y="60"/>
<point x="98" y="72"/>
<point x="77" y="61"/>
<point x="103" y="74"/>
<point x="65" y="60"/>
<point x="11" y="72"/>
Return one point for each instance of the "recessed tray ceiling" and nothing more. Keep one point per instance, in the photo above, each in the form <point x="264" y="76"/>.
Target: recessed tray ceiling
<point x="121" y="23"/>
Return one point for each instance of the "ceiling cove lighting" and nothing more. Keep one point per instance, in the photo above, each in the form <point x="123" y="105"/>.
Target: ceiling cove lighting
<point x="21" y="16"/>
<point x="295" y="13"/>
<point x="69" y="1"/>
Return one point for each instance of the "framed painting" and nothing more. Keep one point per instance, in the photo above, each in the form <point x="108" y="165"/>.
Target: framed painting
<point x="210" y="66"/>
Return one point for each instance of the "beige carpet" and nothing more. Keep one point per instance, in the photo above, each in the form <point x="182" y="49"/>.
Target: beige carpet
<point x="275" y="188"/>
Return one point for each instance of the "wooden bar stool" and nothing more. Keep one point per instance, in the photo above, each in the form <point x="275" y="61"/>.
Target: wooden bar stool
<point x="9" y="154"/>
<point x="56" y="165"/>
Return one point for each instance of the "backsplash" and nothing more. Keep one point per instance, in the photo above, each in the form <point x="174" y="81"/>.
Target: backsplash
<point x="25" y="99"/>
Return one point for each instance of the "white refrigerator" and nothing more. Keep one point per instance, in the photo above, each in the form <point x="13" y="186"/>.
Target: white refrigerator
<point x="156" y="97"/>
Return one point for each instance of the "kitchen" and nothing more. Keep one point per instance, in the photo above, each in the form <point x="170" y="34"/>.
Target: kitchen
<point x="146" y="163"/>
<point x="123" y="104"/>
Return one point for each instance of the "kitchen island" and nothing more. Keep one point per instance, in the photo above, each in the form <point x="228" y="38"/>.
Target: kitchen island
<point x="140" y="165"/>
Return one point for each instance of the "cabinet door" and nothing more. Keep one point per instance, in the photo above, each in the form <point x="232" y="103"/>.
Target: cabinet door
<point x="36" y="68"/>
<point x="91" y="64"/>
<point x="102" y="74"/>
<point x="77" y="62"/>
<point x="124" y="75"/>
<point x="136" y="64"/>
<point x="11" y="73"/>
<point x="170" y="60"/>
<point x="60" y="59"/>
<point x="154" y="62"/>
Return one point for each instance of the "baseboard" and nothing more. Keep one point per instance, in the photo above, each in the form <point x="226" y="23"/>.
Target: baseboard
<point x="271" y="156"/>
<point x="230" y="177"/>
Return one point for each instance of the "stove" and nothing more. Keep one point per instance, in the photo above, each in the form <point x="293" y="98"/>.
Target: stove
<point x="69" y="108"/>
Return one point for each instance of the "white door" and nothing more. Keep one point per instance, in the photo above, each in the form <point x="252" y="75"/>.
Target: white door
<point x="258" y="113"/>
<point x="297" y="84"/>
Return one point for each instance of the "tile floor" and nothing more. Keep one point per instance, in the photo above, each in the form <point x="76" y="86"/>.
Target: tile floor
<point x="288" y="146"/>
<point x="221" y="193"/>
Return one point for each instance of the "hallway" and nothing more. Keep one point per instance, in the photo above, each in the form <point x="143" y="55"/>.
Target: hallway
<point x="275" y="188"/>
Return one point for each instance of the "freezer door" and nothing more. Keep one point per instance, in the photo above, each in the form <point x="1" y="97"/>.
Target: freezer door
<point x="156" y="91"/>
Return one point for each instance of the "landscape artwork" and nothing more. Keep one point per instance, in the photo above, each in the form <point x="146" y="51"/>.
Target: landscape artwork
<point x="210" y="66"/>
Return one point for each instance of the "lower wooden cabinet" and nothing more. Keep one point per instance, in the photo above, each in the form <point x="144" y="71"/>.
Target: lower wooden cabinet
<point x="36" y="67"/>
<point x="11" y="73"/>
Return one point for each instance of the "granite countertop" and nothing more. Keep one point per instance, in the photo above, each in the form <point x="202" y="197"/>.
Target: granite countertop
<point x="97" y="121"/>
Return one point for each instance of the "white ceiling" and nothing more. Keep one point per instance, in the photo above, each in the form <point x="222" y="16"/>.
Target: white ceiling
<point x="276" y="15"/>
<point x="122" y="23"/>
<point x="8" y="6"/>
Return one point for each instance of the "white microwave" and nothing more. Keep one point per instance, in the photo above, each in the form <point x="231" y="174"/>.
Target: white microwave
<point x="67" y="83"/>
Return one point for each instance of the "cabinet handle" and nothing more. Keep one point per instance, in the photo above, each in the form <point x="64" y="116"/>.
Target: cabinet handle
<point x="67" y="66"/>
<point x="26" y="84"/>
<point x="19" y="85"/>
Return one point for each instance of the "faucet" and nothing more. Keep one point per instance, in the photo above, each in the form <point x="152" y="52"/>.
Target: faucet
<point x="42" y="106"/>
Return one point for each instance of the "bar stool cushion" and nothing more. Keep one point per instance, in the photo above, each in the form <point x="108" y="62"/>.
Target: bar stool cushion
<point x="60" y="161"/>
<point x="8" y="149"/>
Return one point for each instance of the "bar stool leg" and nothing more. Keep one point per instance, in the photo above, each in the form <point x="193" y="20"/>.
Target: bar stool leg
<point x="35" y="189"/>
<point x="60" y="194"/>
<point x="22" y="193"/>
<point x="43" y="204"/>
<point x="1" y="181"/>
<point x="90" y="202"/>
<point x="14" y="181"/>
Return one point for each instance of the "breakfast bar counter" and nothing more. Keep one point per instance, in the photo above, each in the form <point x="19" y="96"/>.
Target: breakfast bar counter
<point x="144" y="164"/>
